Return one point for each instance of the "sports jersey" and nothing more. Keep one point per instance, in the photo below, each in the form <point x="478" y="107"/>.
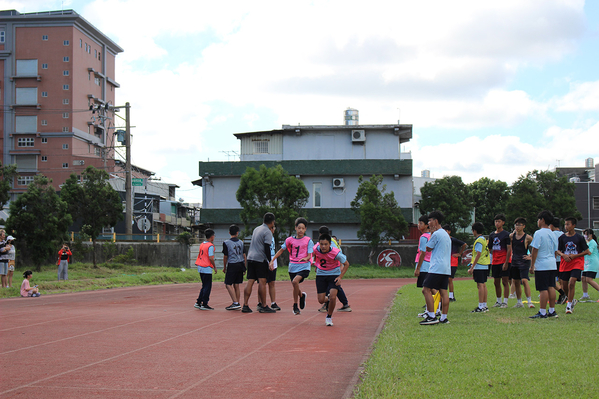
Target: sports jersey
<point x="233" y="250"/>
<point x="203" y="260"/>
<point x="498" y="243"/>
<point x="519" y="250"/>
<point x="456" y="245"/>
<point x="557" y="234"/>
<point x="328" y="264"/>
<point x="440" y="243"/>
<point x="546" y="243"/>
<point x="427" y="255"/>
<point x="591" y="262"/>
<point x="480" y="245"/>
<point x="298" y="249"/>
<point x="260" y="236"/>
<point x="572" y="245"/>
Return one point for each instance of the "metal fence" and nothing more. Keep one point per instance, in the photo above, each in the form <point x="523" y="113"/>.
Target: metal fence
<point x="114" y="237"/>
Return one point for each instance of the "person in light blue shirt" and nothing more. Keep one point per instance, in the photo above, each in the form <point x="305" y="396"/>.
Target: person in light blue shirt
<point x="544" y="247"/>
<point x="591" y="265"/>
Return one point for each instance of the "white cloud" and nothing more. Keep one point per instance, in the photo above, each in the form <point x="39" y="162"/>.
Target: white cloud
<point x="583" y="96"/>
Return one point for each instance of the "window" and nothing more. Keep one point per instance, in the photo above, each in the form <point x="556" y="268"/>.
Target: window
<point x="65" y="115"/>
<point x="317" y="194"/>
<point x="65" y="59"/>
<point x="65" y="101"/>
<point x="26" y="95"/>
<point x="65" y="146"/>
<point x="26" y="142"/>
<point x="99" y="57"/>
<point x="24" y="180"/>
<point x="44" y="158"/>
<point x="44" y="123"/>
<point x="25" y="124"/>
<point x="261" y="147"/>
<point x="65" y="130"/>
<point x="97" y="81"/>
<point x="2" y="36"/>
<point x="595" y="225"/>
<point x="45" y="38"/>
<point x="86" y="47"/>
<point x="65" y="73"/>
<point x="95" y="53"/>
<point x="65" y="165"/>
<point x="26" y="67"/>
<point x="44" y="94"/>
<point x="65" y="87"/>
<point x="65" y="43"/>
<point x="81" y="43"/>
<point x="595" y="202"/>
<point x="44" y="66"/>
<point x="44" y="140"/>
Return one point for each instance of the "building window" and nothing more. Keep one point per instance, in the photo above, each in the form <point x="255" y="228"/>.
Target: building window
<point x="65" y="130"/>
<point x="44" y="123"/>
<point x="65" y="73"/>
<point x="44" y="158"/>
<point x="98" y="151"/>
<point x="44" y="66"/>
<point x="65" y="101"/>
<point x="44" y="140"/>
<point x="45" y="38"/>
<point x="65" y="43"/>
<point x="595" y="202"/>
<point x="26" y="142"/>
<point x="95" y="53"/>
<point x="2" y="36"/>
<point x="97" y="81"/>
<point x="24" y="180"/>
<point x="65" y="115"/>
<point x="99" y="57"/>
<point x="65" y="165"/>
<point x="317" y="194"/>
<point x="261" y="147"/>
<point x="44" y="94"/>
<point x="65" y="59"/>
<point x="65" y="87"/>
<point x="65" y="146"/>
<point x="81" y="43"/>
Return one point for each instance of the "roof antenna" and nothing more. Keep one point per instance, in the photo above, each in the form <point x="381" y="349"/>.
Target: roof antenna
<point x="398" y="115"/>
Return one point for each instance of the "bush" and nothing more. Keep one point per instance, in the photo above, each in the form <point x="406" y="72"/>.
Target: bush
<point x="184" y="238"/>
<point x="127" y="258"/>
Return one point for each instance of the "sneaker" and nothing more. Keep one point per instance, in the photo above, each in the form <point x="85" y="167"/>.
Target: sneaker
<point x="512" y="296"/>
<point x="329" y="321"/>
<point x="302" y="300"/>
<point x="274" y="306"/>
<point x="585" y="299"/>
<point x="478" y="310"/>
<point x="538" y="316"/>
<point x="324" y="308"/>
<point x="568" y="310"/>
<point x="552" y="314"/>
<point x="233" y="306"/>
<point x="344" y="308"/>
<point x="259" y="306"/>
<point x="446" y="321"/>
<point x="497" y="305"/>
<point x="503" y="305"/>
<point x="246" y="309"/>
<point x="562" y="299"/>
<point x="423" y="315"/>
<point x="519" y="305"/>
<point x="574" y="302"/>
<point x="452" y="299"/>
<point x="296" y="310"/>
<point x="196" y="305"/>
<point x="266" y="309"/>
<point x="531" y="305"/>
<point x="205" y="307"/>
<point x="485" y="309"/>
<point x="429" y="321"/>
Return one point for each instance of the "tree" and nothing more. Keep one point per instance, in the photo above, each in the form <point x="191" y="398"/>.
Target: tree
<point x="380" y="216"/>
<point x="93" y="201"/>
<point x="7" y="173"/>
<point x="540" y="190"/>
<point x="40" y="219"/>
<point x="489" y="198"/>
<point x="271" y="190"/>
<point x="450" y="196"/>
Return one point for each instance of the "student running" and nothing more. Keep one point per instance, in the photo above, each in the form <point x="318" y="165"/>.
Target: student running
<point x="340" y="292"/>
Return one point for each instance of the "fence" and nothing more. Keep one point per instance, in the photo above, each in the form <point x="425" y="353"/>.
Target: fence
<point x="114" y="237"/>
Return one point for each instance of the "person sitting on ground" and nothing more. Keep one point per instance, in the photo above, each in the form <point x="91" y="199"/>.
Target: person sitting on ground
<point x="26" y="289"/>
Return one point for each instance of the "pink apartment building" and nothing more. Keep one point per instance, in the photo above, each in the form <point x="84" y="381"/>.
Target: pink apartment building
<point x="54" y="67"/>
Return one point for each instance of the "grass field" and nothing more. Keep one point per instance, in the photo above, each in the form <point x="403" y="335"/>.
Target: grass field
<point x="499" y="354"/>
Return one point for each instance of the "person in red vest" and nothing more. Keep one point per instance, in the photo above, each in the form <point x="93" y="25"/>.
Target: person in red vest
<point x="64" y="257"/>
<point x="205" y="264"/>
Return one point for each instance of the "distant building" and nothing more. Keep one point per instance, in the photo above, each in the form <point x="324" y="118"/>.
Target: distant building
<point x="587" y="192"/>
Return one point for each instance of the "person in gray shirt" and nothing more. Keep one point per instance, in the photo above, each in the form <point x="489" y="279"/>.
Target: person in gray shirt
<point x="258" y="258"/>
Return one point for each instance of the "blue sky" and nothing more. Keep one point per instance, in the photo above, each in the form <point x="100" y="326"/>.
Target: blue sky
<point x="493" y="89"/>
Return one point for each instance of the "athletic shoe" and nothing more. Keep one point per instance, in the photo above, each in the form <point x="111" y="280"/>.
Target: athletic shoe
<point x="274" y="306"/>
<point x="552" y="314"/>
<point x="452" y="299"/>
<point x="446" y="321"/>
<point x="429" y="321"/>
<point x="205" y="307"/>
<point x="585" y="299"/>
<point x="568" y="310"/>
<point x="485" y="309"/>
<point x="562" y="299"/>
<point x="531" y="305"/>
<point x="574" y="302"/>
<point x="423" y="315"/>
<point x="478" y="310"/>
<point x="344" y="308"/>
<point x="302" y="300"/>
<point x="266" y="309"/>
<point x="246" y="309"/>
<point x="233" y="306"/>
<point x="538" y="316"/>
<point x="512" y="296"/>
<point x="324" y="308"/>
<point x="329" y="321"/>
<point x="296" y="310"/>
<point x="503" y="305"/>
<point x="259" y="306"/>
<point x="196" y="305"/>
<point x="497" y="305"/>
<point x="519" y="305"/>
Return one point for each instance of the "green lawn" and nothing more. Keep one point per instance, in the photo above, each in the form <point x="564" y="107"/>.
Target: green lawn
<point x="499" y="354"/>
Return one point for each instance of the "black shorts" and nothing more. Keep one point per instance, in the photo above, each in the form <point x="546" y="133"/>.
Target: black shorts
<point x="257" y="270"/>
<point x="421" y="278"/>
<point x="545" y="279"/>
<point x="566" y="276"/>
<point x="436" y="281"/>
<point x="234" y="273"/>
<point x="325" y="283"/>
<point x="480" y="276"/>
<point x="453" y="270"/>
<point x="520" y="272"/>
<point x="302" y="273"/>
<point x="272" y="276"/>
<point x="498" y="271"/>
<point x="589" y="274"/>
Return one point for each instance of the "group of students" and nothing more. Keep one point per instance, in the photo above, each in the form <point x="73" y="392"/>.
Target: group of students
<point x="557" y="260"/>
<point x="260" y="263"/>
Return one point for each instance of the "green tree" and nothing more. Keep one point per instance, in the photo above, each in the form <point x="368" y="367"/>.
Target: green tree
<point x="540" y="190"/>
<point x="450" y="196"/>
<point x="93" y="202"/>
<point x="271" y="190"/>
<point x="489" y="198"/>
<point x="7" y="173"/>
<point x="40" y="219"/>
<point x="380" y="216"/>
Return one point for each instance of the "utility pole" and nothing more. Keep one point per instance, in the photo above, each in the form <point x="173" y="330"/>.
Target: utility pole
<point x="128" y="188"/>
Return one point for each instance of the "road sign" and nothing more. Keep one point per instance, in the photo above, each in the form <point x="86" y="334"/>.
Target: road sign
<point x="137" y="182"/>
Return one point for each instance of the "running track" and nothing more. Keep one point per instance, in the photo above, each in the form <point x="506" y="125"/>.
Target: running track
<point x="149" y="342"/>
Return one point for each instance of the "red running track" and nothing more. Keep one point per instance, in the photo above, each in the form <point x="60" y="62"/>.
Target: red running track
<point x="149" y="342"/>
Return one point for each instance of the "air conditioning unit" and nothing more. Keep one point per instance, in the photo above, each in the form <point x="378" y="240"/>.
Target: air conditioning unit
<point x="77" y="162"/>
<point x="358" y="136"/>
<point x="338" y="182"/>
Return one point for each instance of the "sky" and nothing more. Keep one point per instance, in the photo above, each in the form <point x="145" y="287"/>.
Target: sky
<point x="492" y="88"/>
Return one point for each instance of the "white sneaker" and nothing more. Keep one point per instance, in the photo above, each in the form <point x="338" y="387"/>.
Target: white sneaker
<point x="519" y="305"/>
<point x="531" y="305"/>
<point x="512" y="296"/>
<point x="329" y="321"/>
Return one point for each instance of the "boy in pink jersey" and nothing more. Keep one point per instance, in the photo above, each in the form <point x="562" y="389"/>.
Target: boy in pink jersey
<point x="300" y="250"/>
<point x="329" y="272"/>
